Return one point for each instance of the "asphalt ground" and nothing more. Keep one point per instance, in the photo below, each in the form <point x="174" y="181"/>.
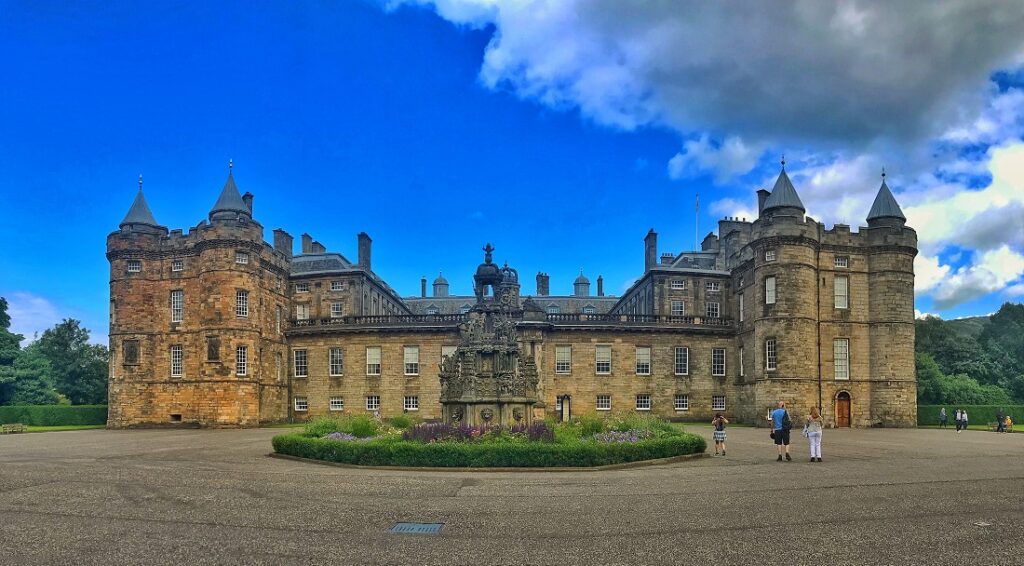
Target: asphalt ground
<point x="214" y="497"/>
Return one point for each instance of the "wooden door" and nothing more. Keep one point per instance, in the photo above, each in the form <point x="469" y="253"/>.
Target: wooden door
<point x="843" y="410"/>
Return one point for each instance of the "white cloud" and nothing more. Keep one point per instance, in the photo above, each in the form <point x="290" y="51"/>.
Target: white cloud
<point x="928" y="273"/>
<point x="991" y="272"/>
<point x="726" y="160"/>
<point x="919" y="315"/>
<point x="31" y="314"/>
<point x="1014" y="290"/>
<point x="735" y="208"/>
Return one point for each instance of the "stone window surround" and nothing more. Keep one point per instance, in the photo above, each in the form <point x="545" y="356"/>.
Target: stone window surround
<point x="718" y="368"/>
<point x="301" y="404"/>
<point x="411" y="403"/>
<point x="713" y="309"/>
<point x="681" y="402"/>
<point x="300" y="362"/>
<point x="134" y="266"/>
<point x="841" y="262"/>
<point x="602" y="361"/>
<point x="177" y="305"/>
<point x="770" y="295"/>
<point x="643" y="360"/>
<point x="841" y="356"/>
<point x="373" y="365"/>
<point x="177" y="265"/>
<point x="241" y="303"/>
<point x="604" y="403"/>
<point x="681" y="310"/>
<point x="411" y="359"/>
<point x="373" y="402"/>
<point x="336" y="403"/>
<point x="242" y="258"/>
<point x="643" y="402"/>
<point x="684" y="363"/>
<point x="718" y="402"/>
<point x="336" y="362"/>
<point x="771" y="355"/>
<point x="563" y="359"/>
<point x="337" y="309"/>
<point x="337" y="286"/>
<point x="129" y="347"/>
<point x="177" y="359"/>
<point x="841" y="292"/>
<point x="242" y="361"/>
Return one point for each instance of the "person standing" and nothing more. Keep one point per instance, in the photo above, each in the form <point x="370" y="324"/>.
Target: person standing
<point x="812" y="430"/>
<point x="959" y="420"/>
<point x="718" y="424"/>
<point x="943" y="418"/>
<point x="1000" y="419"/>
<point x="963" y="418"/>
<point x="781" y="425"/>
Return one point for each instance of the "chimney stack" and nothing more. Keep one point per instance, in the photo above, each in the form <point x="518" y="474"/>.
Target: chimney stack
<point x="650" y="250"/>
<point x="318" y="248"/>
<point x="762" y="195"/>
<point x="423" y="286"/>
<point x="667" y="258"/>
<point x="247" y="199"/>
<point x="600" y="286"/>
<point x="543" y="284"/>
<point x="283" y="242"/>
<point x="364" y="250"/>
<point x="307" y="244"/>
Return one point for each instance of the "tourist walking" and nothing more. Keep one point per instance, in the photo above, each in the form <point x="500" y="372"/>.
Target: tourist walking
<point x="812" y="430"/>
<point x="958" y="417"/>
<point x="781" y="425"/>
<point x="942" y="418"/>
<point x="1000" y="419"/>
<point x="963" y="418"/>
<point x="719" y="423"/>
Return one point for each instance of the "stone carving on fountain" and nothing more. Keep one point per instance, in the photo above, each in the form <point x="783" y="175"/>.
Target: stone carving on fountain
<point x="489" y="380"/>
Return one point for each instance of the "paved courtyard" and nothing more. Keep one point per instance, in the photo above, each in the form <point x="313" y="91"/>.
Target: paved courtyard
<point x="214" y="497"/>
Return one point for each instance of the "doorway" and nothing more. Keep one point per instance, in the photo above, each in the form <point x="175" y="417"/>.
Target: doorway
<point x="843" y="409"/>
<point x="563" y="407"/>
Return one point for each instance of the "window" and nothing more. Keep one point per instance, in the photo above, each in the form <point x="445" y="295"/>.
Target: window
<point x="412" y="403"/>
<point x="372" y="402"/>
<point x="336" y="362"/>
<point x="712" y="286"/>
<point x="681" y="402"/>
<point x="279" y="316"/>
<point x="301" y="404"/>
<point x="134" y="266"/>
<point x="603" y="360"/>
<point x="712" y="310"/>
<point x="464" y="309"/>
<point x="176" y="356"/>
<point x="589" y="309"/>
<point x="241" y="303"/>
<point x="412" y="360"/>
<point x="678" y="284"/>
<point x="643" y="402"/>
<point x="431" y="310"/>
<point x="741" y="307"/>
<point x="301" y="363"/>
<point x="336" y="310"/>
<point x="604" y="402"/>
<point x="682" y="360"/>
<point x="278" y="365"/>
<point x="337" y="404"/>
<point x="373" y="360"/>
<point x="302" y="287"/>
<point x="554" y="309"/>
<point x="718" y="362"/>
<point x="177" y="305"/>
<point x="643" y="360"/>
<point x="841" y="349"/>
<point x="302" y="312"/>
<point x="177" y="265"/>
<point x="769" y="290"/>
<point x="842" y="261"/>
<point x="842" y="292"/>
<point x="242" y="361"/>
<point x="241" y="257"/>
<point x="677" y="308"/>
<point x="718" y="402"/>
<point x="771" y="362"/>
<point x="336" y="286"/>
<point x="769" y="255"/>
<point x="741" y="362"/>
<point x="131" y="352"/>
<point x="563" y="359"/>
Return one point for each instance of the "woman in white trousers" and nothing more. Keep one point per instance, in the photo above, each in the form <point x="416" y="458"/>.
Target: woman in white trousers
<point x="812" y="430"/>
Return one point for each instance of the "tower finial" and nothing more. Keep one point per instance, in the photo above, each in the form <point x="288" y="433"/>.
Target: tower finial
<point x="140" y="182"/>
<point x="783" y="161"/>
<point x="883" y="172"/>
<point x="231" y="165"/>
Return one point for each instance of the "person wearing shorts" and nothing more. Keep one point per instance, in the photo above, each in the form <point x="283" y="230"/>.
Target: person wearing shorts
<point x="781" y="433"/>
<point x="718" y="424"/>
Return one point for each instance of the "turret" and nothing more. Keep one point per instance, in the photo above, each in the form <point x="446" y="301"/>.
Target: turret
<point x="581" y="286"/>
<point x="140" y="218"/>
<point x="440" y="286"/>
<point x="230" y="205"/>
<point x="885" y="211"/>
<point x="783" y="201"/>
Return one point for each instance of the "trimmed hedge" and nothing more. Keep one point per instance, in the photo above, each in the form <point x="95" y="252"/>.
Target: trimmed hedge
<point x="54" y="415"/>
<point x="485" y="455"/>
<point x="976" y="414"/>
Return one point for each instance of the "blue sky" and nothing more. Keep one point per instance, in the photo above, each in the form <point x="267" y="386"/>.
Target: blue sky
<point x="437" y="127"/>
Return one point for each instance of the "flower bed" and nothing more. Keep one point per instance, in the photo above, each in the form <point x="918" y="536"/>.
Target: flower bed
<point x="586" y="443"/>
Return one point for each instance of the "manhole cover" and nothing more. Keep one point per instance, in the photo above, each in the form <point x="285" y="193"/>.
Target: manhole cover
<point x="417" y="528"/>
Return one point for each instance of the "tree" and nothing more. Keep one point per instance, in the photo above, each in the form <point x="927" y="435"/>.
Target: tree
<point x="9" y="350"/>
<point x="31" y="384"/>
<point x="937" y="388"/>
<point x="79" y="368"/>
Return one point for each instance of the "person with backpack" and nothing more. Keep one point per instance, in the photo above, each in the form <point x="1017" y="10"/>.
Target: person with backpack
<point x="781" y="425"/>
<point x="718" y="424"/>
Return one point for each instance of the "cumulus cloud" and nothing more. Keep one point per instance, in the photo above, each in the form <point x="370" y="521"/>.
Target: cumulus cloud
<point x="726" y="160"/>
<point x="735" y="208"/>
<point x="800" y="70"/>
<point x="31" y="314"/>
<point x="992" y="271"/>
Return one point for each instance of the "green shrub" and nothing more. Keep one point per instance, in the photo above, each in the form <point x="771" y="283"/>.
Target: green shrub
<point x="401" y="422"/>
<point x="363" y="426"/>
<point x="635" y="421"/>
<point x="976" y="414"/>
<point x="54" y="415"/>
<point x="396" y="452"/>
<point x="591" y="424"/>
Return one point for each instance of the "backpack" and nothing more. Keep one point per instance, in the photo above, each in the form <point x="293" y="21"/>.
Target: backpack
<point x="787" y="423"/>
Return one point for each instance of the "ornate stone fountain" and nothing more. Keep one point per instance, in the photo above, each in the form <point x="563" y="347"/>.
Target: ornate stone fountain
<point x="488" y="380"/>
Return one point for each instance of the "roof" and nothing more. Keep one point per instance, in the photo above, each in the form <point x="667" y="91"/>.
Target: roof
<point x="139" y="213"/>
<point x="230" y="199"/>
<point x="783" y="194"/>
<point x="581" y="280"/>
<point x="440" y="280"/>
<point x="310" y="264"/>
<point x="885" y="205"/>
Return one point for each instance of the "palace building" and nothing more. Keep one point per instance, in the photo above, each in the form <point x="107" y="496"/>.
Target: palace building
<point x="218" y="328"/>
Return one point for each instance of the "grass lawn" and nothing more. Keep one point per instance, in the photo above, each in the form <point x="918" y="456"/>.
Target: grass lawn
<point x="983" y="427"/>
<point x="62" y="428"/>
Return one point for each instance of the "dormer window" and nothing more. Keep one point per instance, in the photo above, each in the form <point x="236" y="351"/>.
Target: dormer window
<point x="134" y="265"/>
<point x="769" y="255"/>
<point x="842" y="261"/>
<point x="589" y="309"/>
<point x="177" y="265"/>
<point x="431" y="310"/>
<point x="553" y="309"/>
<point x="302" y="287"/>
<point x="241" y="258"/>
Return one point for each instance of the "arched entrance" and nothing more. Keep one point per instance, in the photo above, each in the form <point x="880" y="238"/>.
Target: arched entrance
<point x="843" y="409"/>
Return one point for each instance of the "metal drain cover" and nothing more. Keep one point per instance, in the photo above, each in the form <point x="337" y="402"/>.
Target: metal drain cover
<point x="417" y="528"/>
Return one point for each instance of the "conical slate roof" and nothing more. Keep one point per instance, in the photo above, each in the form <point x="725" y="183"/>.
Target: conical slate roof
<point x="230" y="199"/>
<point x="783" y="194"/>
<point x="885" y="205"/>
<point x="139" y="213"/>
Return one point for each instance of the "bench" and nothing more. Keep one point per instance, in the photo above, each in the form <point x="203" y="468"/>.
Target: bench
<point x="994" y="426"/>
<point x="12" y="428"/>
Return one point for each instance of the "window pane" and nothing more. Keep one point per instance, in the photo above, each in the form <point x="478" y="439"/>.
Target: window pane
<point x="682" y="360"/>
<point x="336" y="361"/>
<point x="373" y="360"/>
<point x="841" y="292"/>
<point x="841" y="349"/>
<point x="604" y="359"/>
<point x="681" y="402"/>
<point x="301" y="363"/>
<point x="718" y="362"/>
<point x="563" y="359"/>
<point x="769" y="290"/>
<point x="771" y="361"/>
<point x="643" y="360"/>
<point x="412" y="360"/>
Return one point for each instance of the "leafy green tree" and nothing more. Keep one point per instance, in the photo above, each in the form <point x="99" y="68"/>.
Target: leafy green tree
<point x="79" y="368"/>
<point x="31" y="384"/>
<point x="937" y="388"/>
<point x="9" y="350"/>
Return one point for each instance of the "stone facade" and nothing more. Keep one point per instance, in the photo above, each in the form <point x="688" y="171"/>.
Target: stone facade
<point x="777" y="308"/>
